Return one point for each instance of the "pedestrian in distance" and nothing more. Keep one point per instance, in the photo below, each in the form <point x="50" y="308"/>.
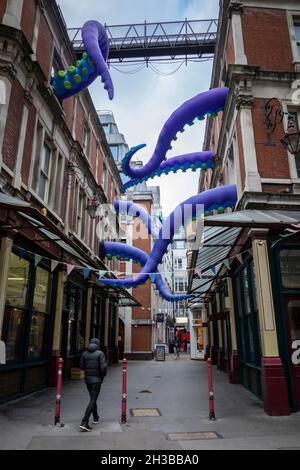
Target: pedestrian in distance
<point x="93" y="363"/>
<point x="176" y="345"/>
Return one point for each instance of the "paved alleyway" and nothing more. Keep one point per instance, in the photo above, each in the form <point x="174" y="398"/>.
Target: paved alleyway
<point x="177" y="388"/>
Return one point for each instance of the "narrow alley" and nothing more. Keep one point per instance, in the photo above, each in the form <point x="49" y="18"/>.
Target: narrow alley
<point x="176" y="388"/>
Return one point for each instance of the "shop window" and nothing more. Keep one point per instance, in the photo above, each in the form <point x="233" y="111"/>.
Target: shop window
<point x="13" y="331"/>
<point x="40" y="315"/>
<point x="16" y="293"/>
<point x="290" y="268"/>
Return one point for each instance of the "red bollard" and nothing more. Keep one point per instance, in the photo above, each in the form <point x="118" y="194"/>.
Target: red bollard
<point x="212" y="415"/>
<point x="124" y="393"/>
<point x="58" y="394"/>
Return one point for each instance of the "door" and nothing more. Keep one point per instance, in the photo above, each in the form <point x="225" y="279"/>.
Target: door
<point x="293" y="324"/>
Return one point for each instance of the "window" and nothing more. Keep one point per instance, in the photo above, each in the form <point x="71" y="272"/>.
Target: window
<point x="43" y="190"/>
<point x="297" y="35"/>
<point x="106" y="128"/>
<point x="290" y="268"/>
<point x="18" y="276"/>
<point x="294" y="116"/>
<point x="178" y="264"/>
<point x="180" y="284"/>
<point x="57" y="64"/>
<point x="40" y="315"/>
<point x="231" y="167"/>
<point x="104" y="178"/>
<point x="58" y="184"/>
<point x="115" y="152"/>
<point x="80" y="226"/>
<point x="86" y="139"/>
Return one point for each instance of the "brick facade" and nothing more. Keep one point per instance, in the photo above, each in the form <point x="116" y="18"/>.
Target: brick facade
<point x="45" y="47"/>
<point x="28" y="19"/>
<point x="13" y="125"/>
<point x="267" y="39"/>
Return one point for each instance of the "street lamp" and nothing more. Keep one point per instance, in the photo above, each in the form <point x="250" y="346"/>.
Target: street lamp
<point x="93" y="206"/>
<point x="291" y="139"/>
<point x="274" y="115"/>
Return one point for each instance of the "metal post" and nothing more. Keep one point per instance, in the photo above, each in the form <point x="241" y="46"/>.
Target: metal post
<point x="124" y="393"/>
<point x="58" y="394"/>
<point x="212" y="416"/>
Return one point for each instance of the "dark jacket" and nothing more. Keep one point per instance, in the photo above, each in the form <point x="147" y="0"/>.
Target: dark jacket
<point x="94" y="364"/>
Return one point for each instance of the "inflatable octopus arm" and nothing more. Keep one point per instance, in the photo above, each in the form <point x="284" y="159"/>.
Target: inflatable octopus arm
<point x="209" y="102"/>
<point x="127" y="253"/>
<point x="92" y="65"/>
<point x="129" y="208"/>
<point x="213" y="199"/>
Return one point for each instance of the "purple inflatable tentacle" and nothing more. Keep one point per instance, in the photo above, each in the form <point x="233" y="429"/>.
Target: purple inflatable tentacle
<point x="208" y="102"/>
<point x="96" y="44"/>
<point x="135" y="210"/>
<point x="129" y="252"/>
<point x="194" y="161"/>
<point x="225" y="196"/>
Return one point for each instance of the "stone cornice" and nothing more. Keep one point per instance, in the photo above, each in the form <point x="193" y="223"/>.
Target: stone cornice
<point x="8" y="70"/>
<point x="244" y="101"/>
<point x="235" y="8"/>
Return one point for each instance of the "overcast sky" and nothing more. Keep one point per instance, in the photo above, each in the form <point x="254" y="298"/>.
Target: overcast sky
<point x="144" y="100"/>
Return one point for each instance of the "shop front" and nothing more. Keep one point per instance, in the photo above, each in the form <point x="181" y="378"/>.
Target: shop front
<point x="27" y="326"/>
<point x="286" y="281"/>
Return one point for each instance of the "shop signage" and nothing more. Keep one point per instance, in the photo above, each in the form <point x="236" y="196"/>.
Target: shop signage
<point x="160" y="352"/>
<point x="160" y="318"/>
<point x="141" y="322"/>
<point x="296" y="355"/>
<point x="2" y="353"/>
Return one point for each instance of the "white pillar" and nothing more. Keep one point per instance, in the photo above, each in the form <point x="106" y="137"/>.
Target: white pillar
<point x="253" y="180"/>
<point x="5" y="252"/>
<point x="13" y="14"/>
<point x="4" y="112"/>
<point x="18" y="168"/>
<point x="238" y="38"/>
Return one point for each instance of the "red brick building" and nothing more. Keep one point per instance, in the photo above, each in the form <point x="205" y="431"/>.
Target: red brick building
<point x="253" y="301"/>
<point x="53" y="159"/>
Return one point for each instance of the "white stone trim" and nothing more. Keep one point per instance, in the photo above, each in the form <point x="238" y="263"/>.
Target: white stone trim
<point x="3" y="114"/>
<point x="13" y="14"/>
<point x="20" y="152"/>
<point x="238" y="39"/>
<point x="253" y="181"/>
<point x="276" y="181"/>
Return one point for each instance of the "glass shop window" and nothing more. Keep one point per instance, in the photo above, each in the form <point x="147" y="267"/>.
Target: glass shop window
<point x="290" y="268"/>
<point x="40" y="315"/>
<point x="16" y="293"/>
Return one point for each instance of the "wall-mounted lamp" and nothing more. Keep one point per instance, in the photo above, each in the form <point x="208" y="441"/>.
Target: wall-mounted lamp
<point x="93" y="207"/>
<point x="274" y="116"/>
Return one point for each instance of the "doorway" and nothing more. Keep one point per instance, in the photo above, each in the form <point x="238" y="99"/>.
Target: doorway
<point x="293" y="328"/>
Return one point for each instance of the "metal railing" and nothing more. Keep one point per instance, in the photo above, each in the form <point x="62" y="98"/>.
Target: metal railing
<point x="146" y="41"/>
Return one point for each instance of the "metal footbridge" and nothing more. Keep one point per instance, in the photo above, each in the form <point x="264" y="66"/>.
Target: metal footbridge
<point x="153" y="42"/>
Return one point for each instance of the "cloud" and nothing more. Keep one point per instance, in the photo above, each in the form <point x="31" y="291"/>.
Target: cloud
<point x="144" y="101"/>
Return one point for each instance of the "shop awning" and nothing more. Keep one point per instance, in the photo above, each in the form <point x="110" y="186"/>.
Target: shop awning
<point x="221" y="233"/>
<point x="255" y="219"/>
<point x="45" y="230"/>
<point x="218" y="242"/>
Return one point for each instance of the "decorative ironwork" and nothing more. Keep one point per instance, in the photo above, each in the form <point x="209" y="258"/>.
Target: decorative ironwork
<point x="274" y="114"/>
<point x="154" y="41"/>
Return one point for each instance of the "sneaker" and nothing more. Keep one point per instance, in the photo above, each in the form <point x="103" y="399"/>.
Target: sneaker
<point x="85" y="428"/>
<point x="96" y="421"/>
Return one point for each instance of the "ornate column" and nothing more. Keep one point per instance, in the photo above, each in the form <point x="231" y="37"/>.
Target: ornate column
<point x="244" y="104"/>
<point x="106" y="328"/>
<point x="235" y="13"/>
<point x="8" y="74"/>
<point x="221" y="364"/>
<point x="28" y="100"/>
<point x="88" y="314"/>
<point x="6" y="238"/>
<point x="56" y="342"/>
<point x="234" y="373"/>
<point x="275" y="391"/>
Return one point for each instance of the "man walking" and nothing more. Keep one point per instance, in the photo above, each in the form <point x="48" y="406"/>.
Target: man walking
<point x="94" y="364"/>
